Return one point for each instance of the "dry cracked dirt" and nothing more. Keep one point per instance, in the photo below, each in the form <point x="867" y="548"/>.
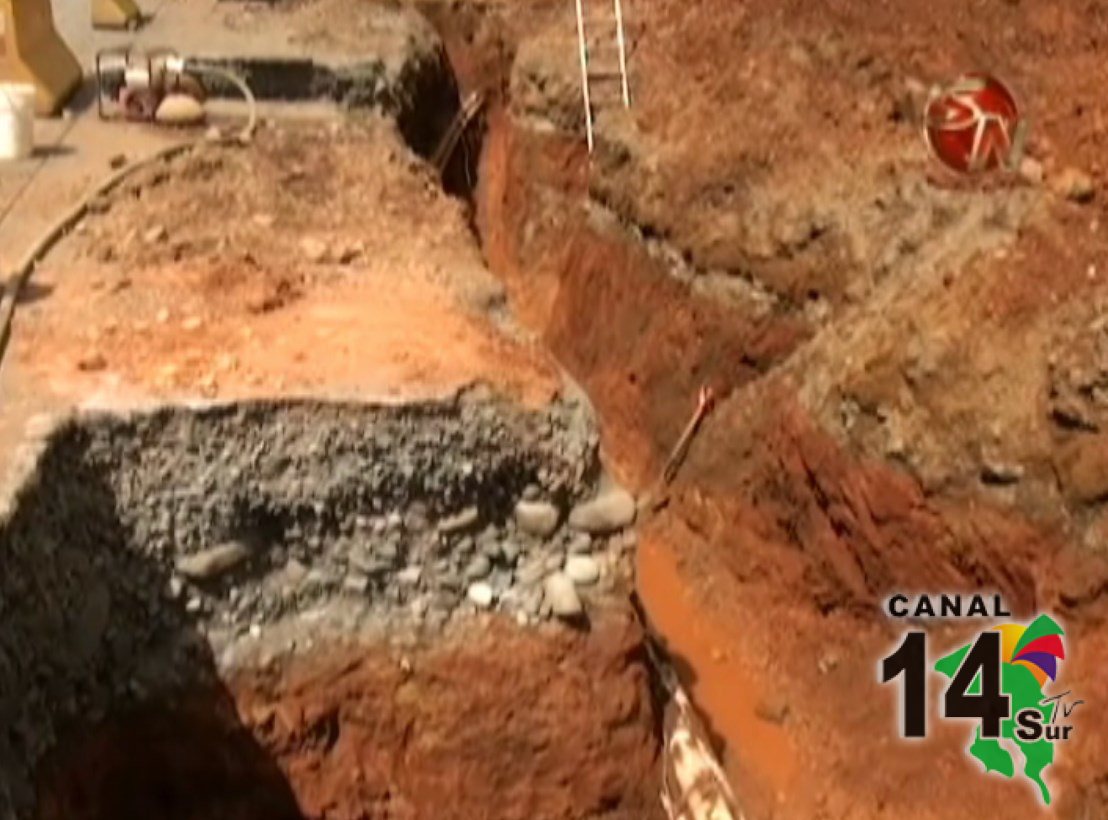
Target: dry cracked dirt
<point x="911" y="370"/>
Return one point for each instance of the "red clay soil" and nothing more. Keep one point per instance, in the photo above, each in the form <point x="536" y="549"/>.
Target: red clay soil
<point x="501" y="724"/>
<point x="921" y="408"/>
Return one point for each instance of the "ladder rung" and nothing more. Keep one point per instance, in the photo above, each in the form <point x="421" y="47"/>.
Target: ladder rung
<point x="606" y="75"/>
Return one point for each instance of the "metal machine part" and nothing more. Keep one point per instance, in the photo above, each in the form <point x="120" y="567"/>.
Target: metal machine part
<point x="132" y="84"/>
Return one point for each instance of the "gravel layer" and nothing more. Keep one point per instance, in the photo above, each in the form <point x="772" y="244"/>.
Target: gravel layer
<point x="146" y="553"/>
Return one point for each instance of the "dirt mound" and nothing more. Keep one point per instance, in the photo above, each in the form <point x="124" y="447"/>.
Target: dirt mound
<point x="501" y="725"/>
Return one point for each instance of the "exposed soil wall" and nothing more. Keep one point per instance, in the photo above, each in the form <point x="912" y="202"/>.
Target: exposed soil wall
<point x="886" y="340"/>
<point x="639" y="341"/>
<point x="504" y="724"/>
<point x="642" y="338"/>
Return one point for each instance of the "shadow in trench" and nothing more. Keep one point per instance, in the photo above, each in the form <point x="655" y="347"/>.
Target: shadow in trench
<point x="110" y="705"/>
<point x="671" y="669"/>
<point x="191" y="761"/>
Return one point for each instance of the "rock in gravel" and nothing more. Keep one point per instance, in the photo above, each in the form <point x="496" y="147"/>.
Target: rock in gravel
<point x="609" y="512"/>
<point x="356" y="583"/>
<point x="554" y="562"/>
<point x="213" y="562"/>
<point x="409" y="576"/>
<point x="537" y="517"/>
<point x="295" y="572"/>
<point x="509" y="550"/>
<point x="583" y="570"/>
<point x="561" y="595"/>
<point x="481" y="594"/>
<point x="530" y="601"/>
<point x="478" y="568"/>
<point x="530" y="573"/>
<point x="580" y="544"/>
<point x="450" y="581"/>
<point x="460" y="522"/>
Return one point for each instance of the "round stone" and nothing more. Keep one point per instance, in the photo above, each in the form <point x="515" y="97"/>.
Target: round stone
<point x="480" y="594"/>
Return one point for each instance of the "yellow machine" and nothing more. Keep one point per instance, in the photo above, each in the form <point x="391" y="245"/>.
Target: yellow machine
<point x="31" y="51"/>
<point x="115" y="14"/>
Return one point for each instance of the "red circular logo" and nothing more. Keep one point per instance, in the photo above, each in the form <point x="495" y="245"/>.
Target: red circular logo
<point x="971" y="125"/>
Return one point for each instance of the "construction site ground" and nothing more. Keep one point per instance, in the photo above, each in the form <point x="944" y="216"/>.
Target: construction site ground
<point x="910" y="367"/>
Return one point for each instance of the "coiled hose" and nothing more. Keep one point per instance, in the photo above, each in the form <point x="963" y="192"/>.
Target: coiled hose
<point x="22" y="273"/>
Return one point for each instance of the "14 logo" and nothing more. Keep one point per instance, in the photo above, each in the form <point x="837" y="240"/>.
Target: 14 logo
<point x="997" y="681"/>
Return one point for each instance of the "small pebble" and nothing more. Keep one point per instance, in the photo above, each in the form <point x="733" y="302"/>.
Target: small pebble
<point x="480" y="594"/>
<point x="583" y="570"/>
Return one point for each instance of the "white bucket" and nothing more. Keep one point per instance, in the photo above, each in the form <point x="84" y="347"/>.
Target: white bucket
<point x="17" y="120"/>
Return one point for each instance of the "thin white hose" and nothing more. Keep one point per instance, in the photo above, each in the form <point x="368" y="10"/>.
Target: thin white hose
<point x="198" y="67"/>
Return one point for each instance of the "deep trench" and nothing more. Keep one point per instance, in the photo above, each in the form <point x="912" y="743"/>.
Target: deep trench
<point x="755" y="355"/>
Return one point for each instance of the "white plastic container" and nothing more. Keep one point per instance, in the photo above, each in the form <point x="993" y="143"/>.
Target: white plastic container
<point x="17" y="120"/>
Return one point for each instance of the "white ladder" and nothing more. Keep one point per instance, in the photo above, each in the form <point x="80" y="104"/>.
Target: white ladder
<point x="595" y="66"/>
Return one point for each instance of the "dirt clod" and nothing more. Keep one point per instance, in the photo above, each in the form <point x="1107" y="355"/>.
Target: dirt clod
<point x="1075" y="185"/>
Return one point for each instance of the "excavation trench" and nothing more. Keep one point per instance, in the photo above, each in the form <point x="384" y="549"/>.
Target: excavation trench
<point x="268" y="610"/>
<point x="761" y="576"/>
<point x="765" y="572"/>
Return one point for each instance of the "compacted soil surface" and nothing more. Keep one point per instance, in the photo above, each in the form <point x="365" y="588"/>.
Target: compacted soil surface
<point x="323" y="259"/>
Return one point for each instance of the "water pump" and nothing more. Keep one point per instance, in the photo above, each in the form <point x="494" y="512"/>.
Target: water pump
<point x="133" y="84"/>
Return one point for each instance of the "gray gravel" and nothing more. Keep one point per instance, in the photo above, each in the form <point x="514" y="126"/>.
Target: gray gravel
<point x="145" y="551"/>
